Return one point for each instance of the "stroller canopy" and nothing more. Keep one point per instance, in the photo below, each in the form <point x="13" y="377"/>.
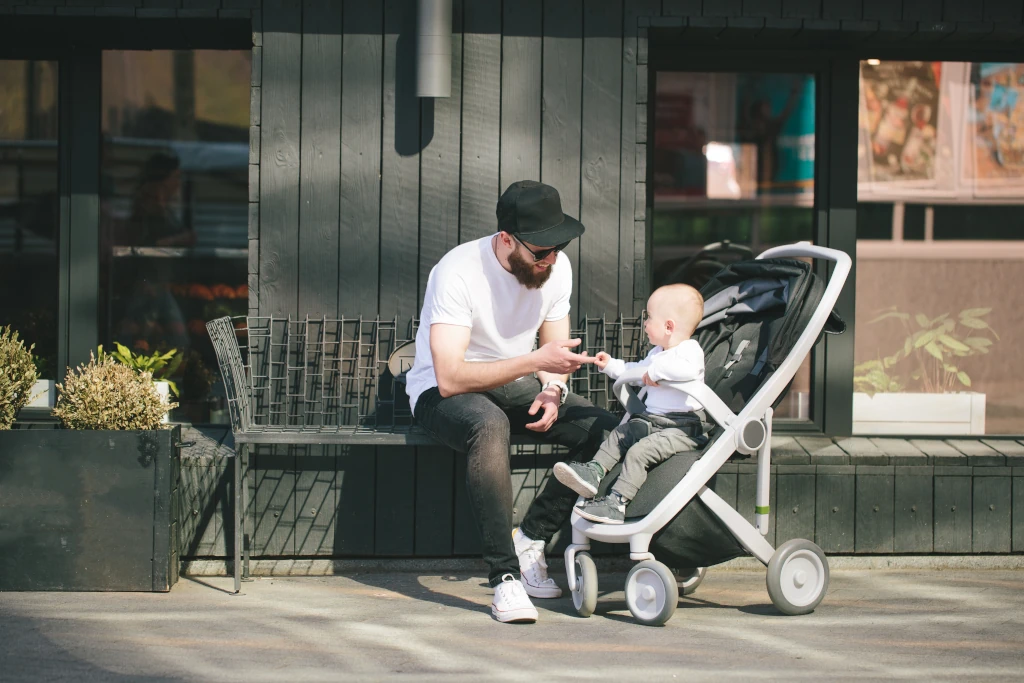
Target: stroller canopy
<point x="754" y="311"/>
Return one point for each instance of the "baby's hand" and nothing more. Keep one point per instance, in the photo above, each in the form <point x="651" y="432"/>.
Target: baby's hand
<point x="601" y="359"/>
<point x="648" y="381"/>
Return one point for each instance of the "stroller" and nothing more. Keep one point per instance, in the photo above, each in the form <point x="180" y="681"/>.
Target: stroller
<point x="761" y="319"/>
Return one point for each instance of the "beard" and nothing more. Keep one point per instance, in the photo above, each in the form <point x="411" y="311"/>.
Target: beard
<point x="524" y="272"/>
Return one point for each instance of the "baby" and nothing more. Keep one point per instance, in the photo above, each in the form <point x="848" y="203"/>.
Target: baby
<point x="672" y="422"/>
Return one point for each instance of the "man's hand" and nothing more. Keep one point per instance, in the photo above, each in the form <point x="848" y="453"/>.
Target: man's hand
<point x="601" y="359"/>
<point x="555" y="357"/>
<point x="549" y="400"/>
<point x="648" y="381"/>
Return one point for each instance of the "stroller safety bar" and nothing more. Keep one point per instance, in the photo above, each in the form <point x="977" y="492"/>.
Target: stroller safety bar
<point x="714" y="406"/>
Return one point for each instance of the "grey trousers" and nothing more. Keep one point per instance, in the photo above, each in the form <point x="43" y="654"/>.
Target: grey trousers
<point x="646" y="440"/>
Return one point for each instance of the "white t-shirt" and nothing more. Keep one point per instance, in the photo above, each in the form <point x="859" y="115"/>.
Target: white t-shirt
<point x="682" y="363"/>
<point x="469" y="287"/>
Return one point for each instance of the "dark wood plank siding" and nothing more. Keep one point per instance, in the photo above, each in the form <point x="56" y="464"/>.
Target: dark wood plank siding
<point x="561" y="120"/>
<point x="279" y="157"/>
<point x="320" y="159"/>
<point x="481" y="117"/>
<point x="361" y="84"/>
<point x="602" y="113"/>
<point x="441" y="139"/>
<point x="632" y="166"/>
<point x="400" y="164"/>
<point x="520" y="92"/>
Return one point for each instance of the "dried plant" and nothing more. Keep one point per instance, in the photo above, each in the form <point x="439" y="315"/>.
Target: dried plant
<point x="108" y="395"/>
<point x="17" y="376"/>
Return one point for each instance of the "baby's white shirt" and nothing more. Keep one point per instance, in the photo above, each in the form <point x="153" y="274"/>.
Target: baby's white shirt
<point x="682" y="363"/>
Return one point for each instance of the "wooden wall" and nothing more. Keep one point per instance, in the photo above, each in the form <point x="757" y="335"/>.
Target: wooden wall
<point x="361" y="187"/>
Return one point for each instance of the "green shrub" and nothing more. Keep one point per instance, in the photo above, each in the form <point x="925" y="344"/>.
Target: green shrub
<point x="17" y="376"/>
<point x="108" y="395"/>
<point x="159" y="364"/>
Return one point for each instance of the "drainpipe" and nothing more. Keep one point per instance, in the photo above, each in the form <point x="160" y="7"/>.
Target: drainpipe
<point x="434" y="48"/>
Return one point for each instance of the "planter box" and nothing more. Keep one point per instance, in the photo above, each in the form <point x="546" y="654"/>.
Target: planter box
<point x="913" y="414"/>
<point x="44" y="394"/>
<point x="88" y="510"/>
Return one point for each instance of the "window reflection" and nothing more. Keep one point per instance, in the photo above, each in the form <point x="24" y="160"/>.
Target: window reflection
<point x="174" y="213"/>
<point x="733" y="174"/>
<point x="940" y="248"/>
<point x="29" y="218"/>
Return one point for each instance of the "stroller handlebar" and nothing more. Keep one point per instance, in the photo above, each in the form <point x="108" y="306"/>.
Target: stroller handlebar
<point x="808" y="250"/>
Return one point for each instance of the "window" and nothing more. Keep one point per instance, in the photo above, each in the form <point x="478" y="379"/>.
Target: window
<point x="29" y="206"/>
<point x="174" y="209"/>
<point x="940" y="250"/>
<point x="733" y="174"/>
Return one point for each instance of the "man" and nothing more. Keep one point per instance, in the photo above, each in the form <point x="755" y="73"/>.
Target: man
<point x="475" y="379"/>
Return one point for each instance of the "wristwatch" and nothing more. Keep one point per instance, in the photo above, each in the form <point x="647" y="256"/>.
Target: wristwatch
<point x="562" y="388"/>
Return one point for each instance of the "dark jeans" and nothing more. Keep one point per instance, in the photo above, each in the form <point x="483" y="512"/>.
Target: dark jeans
<point x="479" y="425"/>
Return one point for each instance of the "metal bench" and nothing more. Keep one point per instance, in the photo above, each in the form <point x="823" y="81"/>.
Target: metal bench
<point x="340" y="381"/>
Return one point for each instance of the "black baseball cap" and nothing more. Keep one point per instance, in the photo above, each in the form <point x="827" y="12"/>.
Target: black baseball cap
<point x="532" y="211"/>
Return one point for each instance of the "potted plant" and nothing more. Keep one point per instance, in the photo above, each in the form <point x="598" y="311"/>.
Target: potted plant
<point x="90" y="506"/>
<point x="161" y="366"/>
<point x="922" y="388"/>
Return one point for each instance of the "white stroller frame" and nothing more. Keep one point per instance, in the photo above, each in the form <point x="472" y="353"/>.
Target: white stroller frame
<point x="798" y="570"/>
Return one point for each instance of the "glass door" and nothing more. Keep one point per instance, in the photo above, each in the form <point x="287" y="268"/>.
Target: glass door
<point x="29" y="206"/>
<point x="733" y="174"/>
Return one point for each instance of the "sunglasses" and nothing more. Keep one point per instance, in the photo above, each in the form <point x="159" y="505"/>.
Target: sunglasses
<point x="542" y="254"/>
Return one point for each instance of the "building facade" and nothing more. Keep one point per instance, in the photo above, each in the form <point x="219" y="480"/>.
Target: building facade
<point x="167" y="162"/>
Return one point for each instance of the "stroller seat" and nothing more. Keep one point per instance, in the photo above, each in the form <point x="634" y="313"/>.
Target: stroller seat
<point x="761" y="319"/>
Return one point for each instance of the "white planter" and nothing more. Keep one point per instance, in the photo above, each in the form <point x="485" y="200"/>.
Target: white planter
<point x="925" y="414"/>
<point x="164" y="389"/>
<point x="44" y="394"/>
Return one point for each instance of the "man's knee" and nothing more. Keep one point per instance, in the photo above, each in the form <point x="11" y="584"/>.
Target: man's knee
<point x="492" y="430"/>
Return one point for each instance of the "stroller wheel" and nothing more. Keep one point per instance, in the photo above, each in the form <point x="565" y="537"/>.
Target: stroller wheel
<point x="584" y="593"/>
<point x="651" y="593"/>
<point x="797" y="577"/>
<point x="689" y="579"/>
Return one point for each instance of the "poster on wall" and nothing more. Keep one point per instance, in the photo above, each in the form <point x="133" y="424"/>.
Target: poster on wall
<point x="995" y="127"/>
<point x="899" y="120"/>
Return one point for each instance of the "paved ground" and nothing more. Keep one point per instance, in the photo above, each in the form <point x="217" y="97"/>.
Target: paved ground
<point x="874" y="624"/>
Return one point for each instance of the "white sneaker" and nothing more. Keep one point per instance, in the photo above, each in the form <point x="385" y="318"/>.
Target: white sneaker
<point x="511" y="603"/>
<point x="534" y="567"/>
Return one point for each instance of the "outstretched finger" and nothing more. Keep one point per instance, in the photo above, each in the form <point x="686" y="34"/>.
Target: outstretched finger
<point x="569" y="343"/>
<point x="535" y="407"/>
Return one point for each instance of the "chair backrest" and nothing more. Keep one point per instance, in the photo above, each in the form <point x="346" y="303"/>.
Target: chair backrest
<point x="322" y="373"/>
<point x="232" y="370"/>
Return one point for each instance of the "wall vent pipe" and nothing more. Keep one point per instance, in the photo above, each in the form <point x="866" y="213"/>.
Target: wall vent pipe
<point x="434" y="48"/>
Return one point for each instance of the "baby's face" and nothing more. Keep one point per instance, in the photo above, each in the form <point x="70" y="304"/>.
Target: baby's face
<point x="656" y="326"/>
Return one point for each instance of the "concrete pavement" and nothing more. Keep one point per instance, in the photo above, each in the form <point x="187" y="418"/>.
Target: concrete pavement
<point x="874" y="624"/>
